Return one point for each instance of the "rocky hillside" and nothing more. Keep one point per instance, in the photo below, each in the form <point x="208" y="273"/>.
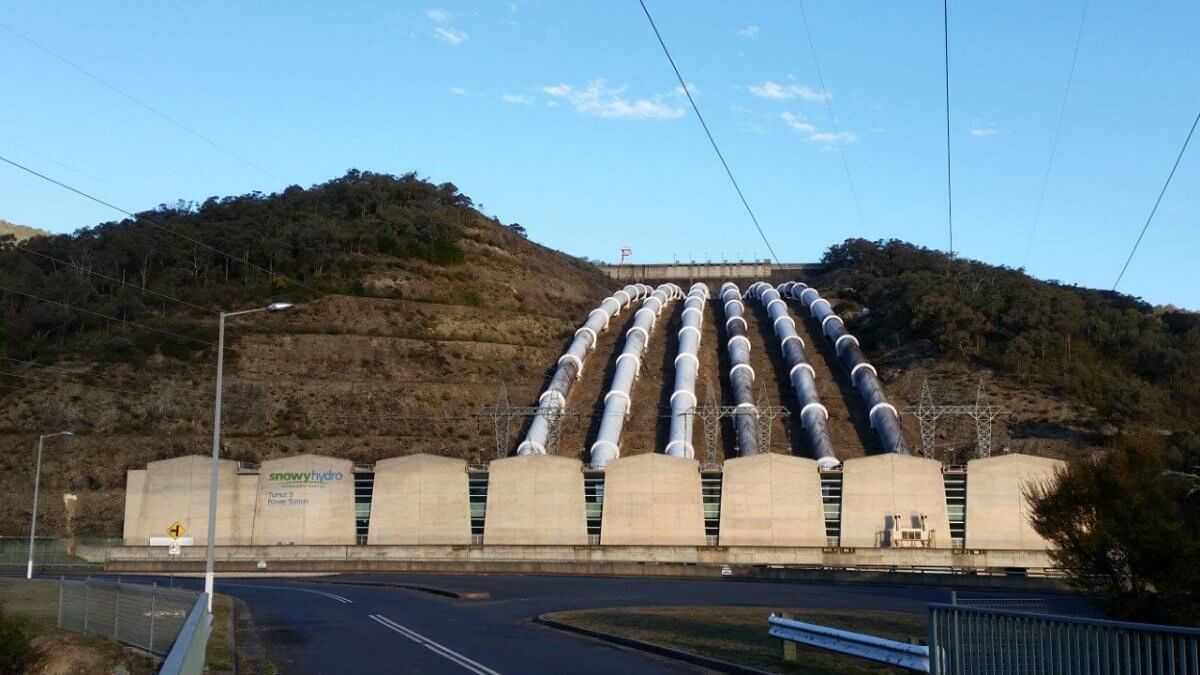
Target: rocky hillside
<point x="19" y="232"/>
<point x="414" y="306"/>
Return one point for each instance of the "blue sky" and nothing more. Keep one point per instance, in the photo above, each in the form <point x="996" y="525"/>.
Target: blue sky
<point x="565" y="117"/>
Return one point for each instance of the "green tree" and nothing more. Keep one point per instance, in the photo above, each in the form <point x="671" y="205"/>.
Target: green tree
<point x="16" y="648"/>
<point x="1127" y="527"/>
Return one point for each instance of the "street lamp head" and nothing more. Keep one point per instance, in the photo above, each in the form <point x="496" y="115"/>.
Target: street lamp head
<point x="66" y="433"/>
<point x="278" y="306"/>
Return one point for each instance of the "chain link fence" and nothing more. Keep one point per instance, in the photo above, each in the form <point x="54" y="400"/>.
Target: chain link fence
<point x="54" y="552"/>
<point x="147" y="617"/>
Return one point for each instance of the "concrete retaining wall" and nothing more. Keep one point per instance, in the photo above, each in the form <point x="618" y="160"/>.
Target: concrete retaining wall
<point x="176" y="490"/>
<point x="652" y="499"/>
<point x="536" y="500"/>
<point x="346" y="557"/>
<point x="420" y="499"/>
<point x="875" y="489"/>
<point x="135" y="492"/>
<point x="771" y="500"/>
<point x="997" y="510"/>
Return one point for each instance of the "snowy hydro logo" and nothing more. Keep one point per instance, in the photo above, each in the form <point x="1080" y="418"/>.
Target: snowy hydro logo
<point x="313" y="476"/>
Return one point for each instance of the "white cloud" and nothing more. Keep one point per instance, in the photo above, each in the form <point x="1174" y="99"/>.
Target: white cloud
<point x="749" y="32"/>
<point x="451" y="36"/>
<point x="983" y="129"/>
<point x="827" y="137"/>
<point x="516" y="99"/>
<point x="796" y="123"/>
<point x="600" y="100"/>
<point x="812" y="134"/>
<point x="458" y="91"/>
<point x="439" y="16"/>
<point x="782" y="92"/>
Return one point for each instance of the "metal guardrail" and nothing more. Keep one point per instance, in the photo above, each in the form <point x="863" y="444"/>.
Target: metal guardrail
<point x="967" y="639"/>
<point x="147" y="617"/>
<point x="882" y="650"/>
<point x="187" y="654"/>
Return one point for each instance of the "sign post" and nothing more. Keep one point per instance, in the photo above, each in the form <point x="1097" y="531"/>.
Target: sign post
<point x="176" y="530"/>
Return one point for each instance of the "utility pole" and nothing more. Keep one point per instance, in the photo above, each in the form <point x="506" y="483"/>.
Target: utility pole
<point x="211" y="558"/>
<point x="37" y="479"/>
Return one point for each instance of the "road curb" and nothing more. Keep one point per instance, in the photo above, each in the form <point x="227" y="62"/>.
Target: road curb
<point x="432" y="590"/>
<point x="650" y="647"/>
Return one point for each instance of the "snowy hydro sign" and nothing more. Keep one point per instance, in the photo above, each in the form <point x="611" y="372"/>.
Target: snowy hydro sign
<point x="291" y="488"/>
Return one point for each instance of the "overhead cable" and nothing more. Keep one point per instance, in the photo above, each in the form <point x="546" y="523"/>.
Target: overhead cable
<point x="1158" y="201"/>
<point x="687" y="92"/>
<point x="139" y="102"/>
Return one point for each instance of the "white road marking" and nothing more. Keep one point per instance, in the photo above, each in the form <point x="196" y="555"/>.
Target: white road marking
<point x="440" y="650"/>
<point x="331" y="596"/>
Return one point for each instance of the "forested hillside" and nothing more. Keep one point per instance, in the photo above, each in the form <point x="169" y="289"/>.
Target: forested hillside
<point x="413" y="312"/>
<point x="219" y="252"/>
<point x="1129" y="361"/>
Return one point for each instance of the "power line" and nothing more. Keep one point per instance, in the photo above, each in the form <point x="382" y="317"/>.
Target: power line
<point x="77" y="384"/>
<point x="35" y="364"/>
<point x="139" y="102"/>
<point x="153" y="224"/>
<point x="89" y="373"/>
<point x="946" y="60"/>
<point x="1158" y="201"/>
<point x="837" y="134"/>
<point x="134" y="286"/>
<point x="73" y="169"/>
<point x="105" y="316"/>
<point x="687" y="92"/>
<point x="1037" y="214"/>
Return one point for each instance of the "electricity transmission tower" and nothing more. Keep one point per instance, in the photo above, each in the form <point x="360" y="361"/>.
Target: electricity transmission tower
<point x="502" y="414"/>
<point x="711" y="415"/>
<point x="982" y="412"/>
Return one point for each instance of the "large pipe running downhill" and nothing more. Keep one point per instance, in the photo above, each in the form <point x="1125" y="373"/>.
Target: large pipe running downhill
<point x="607" y="446"/>
<point x="814" y="417"/>
<point x="570" y="367"/>
<point x="882" y="415"/>
<point x="741" y="375"/>
<point x="687" y="365"/>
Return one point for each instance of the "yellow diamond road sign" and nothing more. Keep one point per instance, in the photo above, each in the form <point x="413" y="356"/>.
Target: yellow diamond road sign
<point x="176" y="529"/>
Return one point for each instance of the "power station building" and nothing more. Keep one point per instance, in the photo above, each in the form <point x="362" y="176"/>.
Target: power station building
<point x="767" y="500"/>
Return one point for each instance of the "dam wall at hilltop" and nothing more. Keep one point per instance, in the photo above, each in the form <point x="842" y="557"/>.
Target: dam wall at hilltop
<point x="690" y="272"/>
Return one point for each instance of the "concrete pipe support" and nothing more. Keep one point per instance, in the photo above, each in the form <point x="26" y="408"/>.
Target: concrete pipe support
<point x="741" y="375"/>
<point x="813" y="416"/>
<point x="883" y="415"/>
<point x="570" y="366"/>
<point x="687" y="365"/>
<point x="607" y="446"/>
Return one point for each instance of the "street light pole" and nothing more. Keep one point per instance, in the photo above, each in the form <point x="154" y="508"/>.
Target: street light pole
<point x="210" y="562"/>
<point x="37" y="479"/>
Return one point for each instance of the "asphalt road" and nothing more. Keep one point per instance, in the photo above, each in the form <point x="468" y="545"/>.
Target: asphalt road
<point x="311" y="627"/>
